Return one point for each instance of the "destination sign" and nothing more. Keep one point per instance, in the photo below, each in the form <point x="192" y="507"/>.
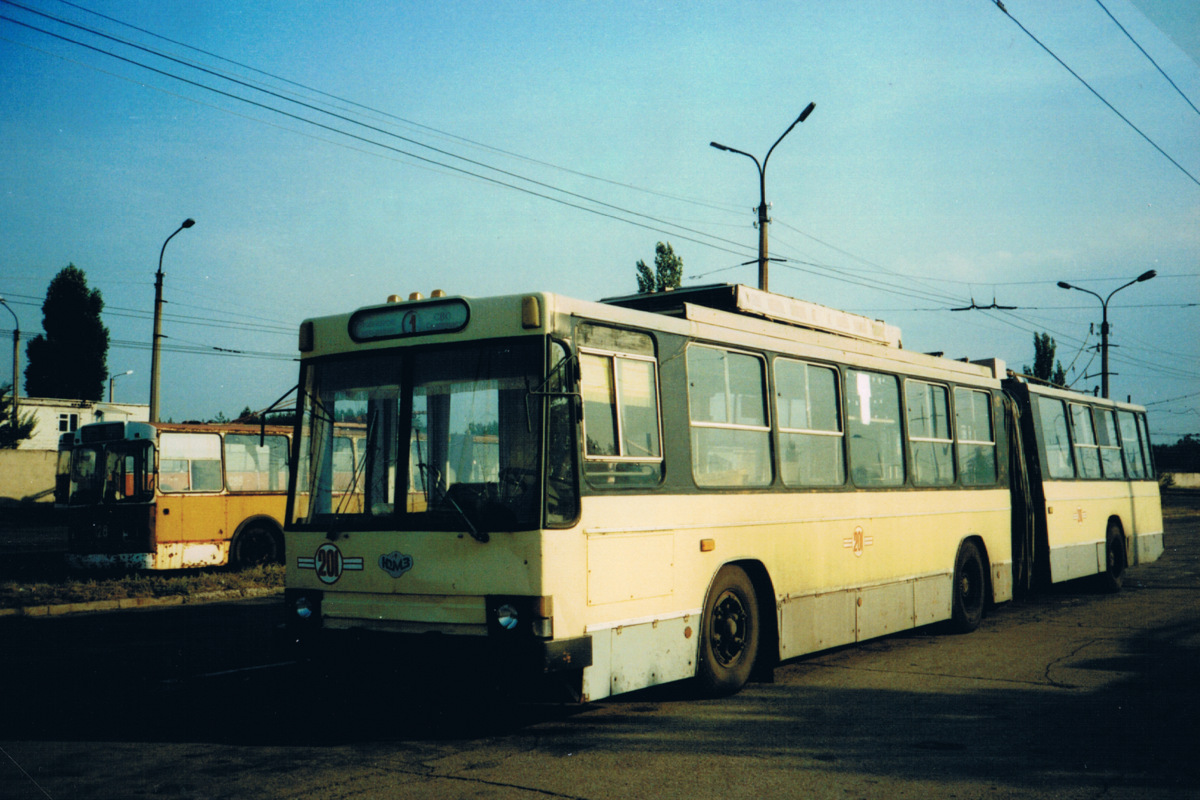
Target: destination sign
<point x="408" y="319"/>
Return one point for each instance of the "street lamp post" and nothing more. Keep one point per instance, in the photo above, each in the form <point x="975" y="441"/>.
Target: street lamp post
<point x="112" y="378"/>
<point x="1145" y="276"/>
<point x="16" y="391"/>
<point x="763" y="219"/>
<point x="155" y="344"/>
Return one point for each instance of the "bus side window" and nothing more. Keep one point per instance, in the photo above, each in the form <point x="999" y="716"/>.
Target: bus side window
<point x="1131" y="447"/>
<point x="1086" y="452"/>
<point x="731" y="441"/>
<point x="621" y="420"/>
<point x="190" y="462"/>
<point x="976" y="438"/>
<point x="1055" y="443"/>
<point x="810" y="424"/>
<point x="929" y="439"/>
<point x="1110" y="448"/>
<point x="873" y="422"/>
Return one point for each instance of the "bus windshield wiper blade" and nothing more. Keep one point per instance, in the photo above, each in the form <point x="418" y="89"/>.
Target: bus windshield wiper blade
<point x="476" y="534"/>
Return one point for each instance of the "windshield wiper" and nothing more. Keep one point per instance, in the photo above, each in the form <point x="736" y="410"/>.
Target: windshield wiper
<point x="429" y="471"/>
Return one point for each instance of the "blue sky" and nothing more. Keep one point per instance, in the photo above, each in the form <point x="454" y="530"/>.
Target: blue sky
<point x="949" y="157"/>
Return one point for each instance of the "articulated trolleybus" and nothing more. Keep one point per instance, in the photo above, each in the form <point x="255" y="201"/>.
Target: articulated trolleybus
<point x="695" y="484"/>
<point x="142" y="495"/>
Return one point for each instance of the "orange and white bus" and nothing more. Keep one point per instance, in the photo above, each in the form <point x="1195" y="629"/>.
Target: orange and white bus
<point x="145" y="495"/>
<point x="695" y="484"/>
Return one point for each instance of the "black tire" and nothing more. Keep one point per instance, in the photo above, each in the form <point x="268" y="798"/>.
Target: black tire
<point x="970" y="589"/>
<point x="255" y="546"/>
<point x="730" y="634"/>
<point x="1111" y="578"/>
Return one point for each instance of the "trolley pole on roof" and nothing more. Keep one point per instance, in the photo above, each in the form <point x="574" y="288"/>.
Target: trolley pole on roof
<point x="155" y="344"/>
<point x="1145" y="276"/>
<point x="763" y="219"/>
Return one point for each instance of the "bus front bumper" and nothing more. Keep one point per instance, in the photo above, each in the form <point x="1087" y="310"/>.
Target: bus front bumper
<point x="524" y="654"/>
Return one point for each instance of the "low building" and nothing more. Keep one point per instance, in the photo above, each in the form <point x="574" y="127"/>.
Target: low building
<point x="56" y="416"/>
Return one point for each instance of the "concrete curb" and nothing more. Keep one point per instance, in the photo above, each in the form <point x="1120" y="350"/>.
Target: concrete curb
<point x="125" y="603"/>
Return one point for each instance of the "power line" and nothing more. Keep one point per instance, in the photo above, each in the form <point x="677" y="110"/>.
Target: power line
<point x="1111" y="107"/>
<point x="372" y="128"/>
<point x="402" y="120"/>
<point x="1148" y="58"/>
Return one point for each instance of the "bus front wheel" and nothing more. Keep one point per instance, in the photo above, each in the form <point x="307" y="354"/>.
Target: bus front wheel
<point x="730" y="634"/>
<point x="970" y="589"/>
<point x="255" y="546"/>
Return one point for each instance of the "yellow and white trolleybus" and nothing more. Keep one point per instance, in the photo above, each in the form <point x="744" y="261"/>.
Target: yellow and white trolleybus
<point x="693" y="484"/>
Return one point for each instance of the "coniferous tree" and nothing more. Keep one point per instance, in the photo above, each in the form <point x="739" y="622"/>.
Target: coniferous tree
<point x="70" y="360"/>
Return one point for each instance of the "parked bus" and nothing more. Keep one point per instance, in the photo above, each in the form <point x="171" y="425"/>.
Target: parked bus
<point x="171" y="496"/>
<point x="693" y="484"/>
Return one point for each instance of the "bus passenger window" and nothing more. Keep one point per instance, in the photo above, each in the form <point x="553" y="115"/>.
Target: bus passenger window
<point x="1131" y="447"/>
<point x="251" y="467"/>
<point x="810" y="425"/>
<point x="929" y="433"/>
<point x="190" y="462"/>
<point x="873" y="423"/>
<point x="1110" y="448"/>
<point x="1085" y="441"/>
<point x="731" y="442"/>
<point x="1055" y="444"/>
<point x="976" y="439"/>
<point x="620" y="419"/>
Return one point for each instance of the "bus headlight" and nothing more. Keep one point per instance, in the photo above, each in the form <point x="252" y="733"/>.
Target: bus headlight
<point x="507" y="617"/>
<point x="303" y="608"/>
<point x="510" y="616"/>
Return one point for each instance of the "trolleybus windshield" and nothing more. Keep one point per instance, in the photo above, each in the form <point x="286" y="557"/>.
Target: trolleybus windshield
<point x="438" y="439"/>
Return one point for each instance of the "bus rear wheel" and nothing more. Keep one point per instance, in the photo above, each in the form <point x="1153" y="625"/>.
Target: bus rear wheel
<point x="256" y="546"/>
<point x="1111" y="578"/>
<point x="731" y="631"/>
<point x="970" y="589"/>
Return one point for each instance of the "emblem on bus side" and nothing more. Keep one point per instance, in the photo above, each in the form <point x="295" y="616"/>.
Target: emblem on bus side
<point x="329" y="563"/>
<point x="395" y="563"/>
<point x="858" y="541"/>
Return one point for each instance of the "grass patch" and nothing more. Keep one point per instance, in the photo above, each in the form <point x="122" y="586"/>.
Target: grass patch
<point x="77" y="589"/>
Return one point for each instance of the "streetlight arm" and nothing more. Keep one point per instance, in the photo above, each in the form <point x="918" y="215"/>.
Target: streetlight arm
<point x="739" y="152"/>
<point x="803" y="116"/>
<point x="1065" y="285"/>
<point x="187" y="223"/>
<point x="1145" y="276"/>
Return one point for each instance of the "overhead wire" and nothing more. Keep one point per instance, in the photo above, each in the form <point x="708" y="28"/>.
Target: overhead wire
<point x="396" y="118"/>
<point x="1100" y="97"/>
<point x="803" y="265"/>
<point x="1148" y="57"/>
<point x="350" y="120"/>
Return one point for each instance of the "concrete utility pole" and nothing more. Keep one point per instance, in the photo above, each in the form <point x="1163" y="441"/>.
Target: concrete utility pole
<point x="16" y="362"/>
<point x="156" y="342"/>
<point x="1145" y="276"/>
<point x="763" y="219"/>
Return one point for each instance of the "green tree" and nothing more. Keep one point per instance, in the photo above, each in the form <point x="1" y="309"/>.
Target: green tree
<point x="10" y="436"/>
<point x="668" y="271"/>
<point x="1044" y="366"/>
<point x="70" y="360"/>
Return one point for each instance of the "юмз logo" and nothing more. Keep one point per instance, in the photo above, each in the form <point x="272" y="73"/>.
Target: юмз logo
<point x="395" y="563"/>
